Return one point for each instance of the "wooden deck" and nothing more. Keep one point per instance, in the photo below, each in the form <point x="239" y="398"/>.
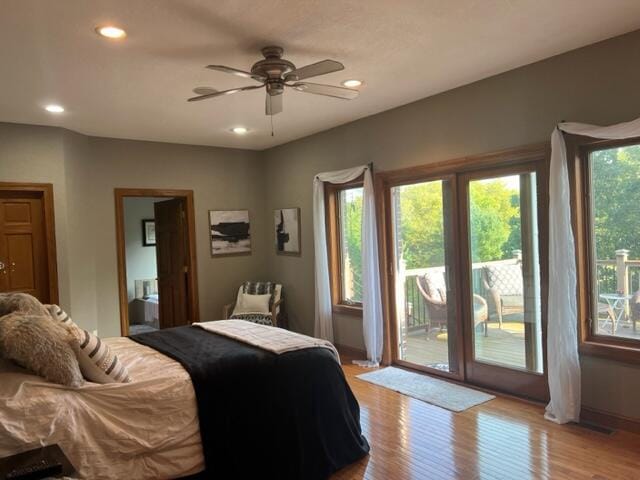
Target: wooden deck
<point x="504" y="439"/>
<point x="505" y="347"/>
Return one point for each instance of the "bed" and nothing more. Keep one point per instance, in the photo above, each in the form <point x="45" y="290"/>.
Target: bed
<point x="209" y="403"/>
<point x="144" y="311"/>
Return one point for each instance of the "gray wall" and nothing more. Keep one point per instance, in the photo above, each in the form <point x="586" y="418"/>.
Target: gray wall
<point x="597" y="84"/>
<point x="84" y="172"/>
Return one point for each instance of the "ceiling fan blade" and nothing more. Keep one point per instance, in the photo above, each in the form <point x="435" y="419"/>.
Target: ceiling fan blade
<point x="273" y="104"/>
<point x="327" y="90"/>
<point x="235" y="71"/>
<point x="224" y="92"/>
<point x="315" y="69"/>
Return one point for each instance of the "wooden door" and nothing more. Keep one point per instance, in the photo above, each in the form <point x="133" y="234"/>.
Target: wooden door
<point x="172" y="261"/>
<point x="23" y="246"/>
<point x="507" y="355"/>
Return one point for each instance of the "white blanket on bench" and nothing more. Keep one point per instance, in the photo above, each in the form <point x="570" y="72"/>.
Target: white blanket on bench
<point x="276" y="340"/>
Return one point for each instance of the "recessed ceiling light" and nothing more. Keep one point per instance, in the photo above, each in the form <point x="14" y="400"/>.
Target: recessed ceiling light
<point x="352" y="83"/>
<point x="239" y="130"/>
<point x="54" y="108"/>
<point x="111" y="31"/>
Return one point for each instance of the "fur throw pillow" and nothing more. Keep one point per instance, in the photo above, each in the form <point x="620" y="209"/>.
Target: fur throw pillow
<point x="20" y="302"/>
<point x="38" y="344"/>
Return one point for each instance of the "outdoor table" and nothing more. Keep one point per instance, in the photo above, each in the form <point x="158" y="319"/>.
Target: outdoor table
<point x="617" y="302"/>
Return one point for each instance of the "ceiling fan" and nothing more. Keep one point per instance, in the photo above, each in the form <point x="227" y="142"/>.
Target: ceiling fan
<point x="275" y="73"/>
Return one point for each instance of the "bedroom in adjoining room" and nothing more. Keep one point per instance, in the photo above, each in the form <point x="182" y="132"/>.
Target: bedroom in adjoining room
<point x="302" y="240"/>
<point x="147" y="255"/>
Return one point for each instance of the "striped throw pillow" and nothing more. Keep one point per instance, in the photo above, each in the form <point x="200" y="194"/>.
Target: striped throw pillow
<point x="97" y="362"/>
<point x="59" y="315"/>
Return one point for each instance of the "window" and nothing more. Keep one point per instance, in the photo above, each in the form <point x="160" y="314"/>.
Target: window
<point x="344" y="232"/>
<point x="609" y="241"/>
<point x="351" y="245"/>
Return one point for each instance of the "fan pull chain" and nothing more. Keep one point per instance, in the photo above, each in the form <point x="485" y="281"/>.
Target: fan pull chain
<point x="271" y="110"/>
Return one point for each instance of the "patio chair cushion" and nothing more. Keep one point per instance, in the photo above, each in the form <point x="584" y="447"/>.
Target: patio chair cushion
<point x="507" y="279"/>
<point x="436" y="285"/>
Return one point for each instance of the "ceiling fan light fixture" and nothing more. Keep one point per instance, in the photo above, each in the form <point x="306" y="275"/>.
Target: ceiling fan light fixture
<point x="54" y="108"/>
<point x="111" y="31"/>
<point x="240" y="130"/>
<point x="352" y="83"/>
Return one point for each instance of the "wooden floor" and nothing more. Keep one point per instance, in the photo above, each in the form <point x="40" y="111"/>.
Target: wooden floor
<point x="503" y="439"/>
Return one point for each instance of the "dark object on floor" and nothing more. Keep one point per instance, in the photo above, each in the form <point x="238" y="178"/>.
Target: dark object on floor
<point x="36" y="464"/>
<point x="266" y="416"/>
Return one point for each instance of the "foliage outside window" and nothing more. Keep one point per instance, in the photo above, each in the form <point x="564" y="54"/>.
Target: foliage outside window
<point x="350" y="212"/>
<point x="613" y="192"/>
<point x="495" y="225"/>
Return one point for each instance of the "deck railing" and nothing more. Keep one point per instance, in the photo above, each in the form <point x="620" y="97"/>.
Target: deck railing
<point x="620" y="275"/>
<point x="415" y="308"/>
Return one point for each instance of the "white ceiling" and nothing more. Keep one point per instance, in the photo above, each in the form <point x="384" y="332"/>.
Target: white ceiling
<point x="136" y="88"/>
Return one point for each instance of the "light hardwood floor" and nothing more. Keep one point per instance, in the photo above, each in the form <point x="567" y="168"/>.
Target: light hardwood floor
<point x="504" y="439"/>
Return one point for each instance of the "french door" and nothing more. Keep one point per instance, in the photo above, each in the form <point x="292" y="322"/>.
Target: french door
<point x="467" y="276"/>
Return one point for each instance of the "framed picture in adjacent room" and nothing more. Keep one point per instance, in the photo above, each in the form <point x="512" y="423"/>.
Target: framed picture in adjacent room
<point x="287" y="231"/>
<point x="148" y="232"/>
<point x="230" y="232"/>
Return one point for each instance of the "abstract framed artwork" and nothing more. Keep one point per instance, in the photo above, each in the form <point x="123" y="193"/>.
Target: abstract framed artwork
<point x="230" y="232"/>
<point x="287" y="231"/>
<point x="148" y="232"/>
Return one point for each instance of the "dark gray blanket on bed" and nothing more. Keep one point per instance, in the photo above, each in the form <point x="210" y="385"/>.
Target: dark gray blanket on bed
<point x="262" y="415"/>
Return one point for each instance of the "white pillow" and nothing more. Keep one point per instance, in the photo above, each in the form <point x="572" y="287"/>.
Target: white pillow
<point x="247" y="303"/>
<point x="97" y="363"/>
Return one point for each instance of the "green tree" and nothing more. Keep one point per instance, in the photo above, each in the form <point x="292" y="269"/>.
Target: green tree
<point x="495" y="222"/>
<point x="351" y="224"/>
<point x="493" y="210"/>
<point x="615" y="177"/>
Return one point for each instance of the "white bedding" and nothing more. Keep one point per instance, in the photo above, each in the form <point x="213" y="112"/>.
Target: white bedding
<point x="276" y="340"/>
<point x="146" y="429"/>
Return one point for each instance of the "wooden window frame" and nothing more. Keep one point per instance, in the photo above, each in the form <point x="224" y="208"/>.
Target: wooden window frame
<point x="449" y="169"/>
<point x="579" y="149"/>
<point x="334" y="247"/>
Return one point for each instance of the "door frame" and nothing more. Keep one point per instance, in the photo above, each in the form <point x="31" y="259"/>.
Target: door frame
<point x="385" y="181"/>
<point x="46" y="191"/>
<point x="192" y="274"/>
<point x="487" y="374"/>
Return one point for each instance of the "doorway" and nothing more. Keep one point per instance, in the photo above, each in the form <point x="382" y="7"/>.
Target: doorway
<point x="157" y="276"/>
<point x="27" y="241"/>
<point x="466" y="284"/>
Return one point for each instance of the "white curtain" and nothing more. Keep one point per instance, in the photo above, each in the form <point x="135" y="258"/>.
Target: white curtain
<point x="562" y="335"/>
<point x="371" y="300"/>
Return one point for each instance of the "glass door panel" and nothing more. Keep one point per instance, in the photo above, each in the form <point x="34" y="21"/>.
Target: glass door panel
<point x="425" y="294"/>
<point x="502" y="222"/>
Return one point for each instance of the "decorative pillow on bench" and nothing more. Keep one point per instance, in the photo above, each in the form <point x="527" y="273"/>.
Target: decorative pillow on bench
<point x="248" y="303"/>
